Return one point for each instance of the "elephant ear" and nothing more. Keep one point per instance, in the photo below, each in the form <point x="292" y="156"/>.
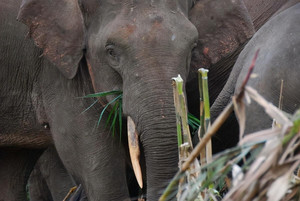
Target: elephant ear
<point x="57" y="27"/>
<point x="223" y="26"/>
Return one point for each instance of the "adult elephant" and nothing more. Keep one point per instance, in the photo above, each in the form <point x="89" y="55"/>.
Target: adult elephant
<point x="219" y="68"/>
<point x="278" y="42"/>
<point x="92" y="46"/>
<point x="207" y="54"/>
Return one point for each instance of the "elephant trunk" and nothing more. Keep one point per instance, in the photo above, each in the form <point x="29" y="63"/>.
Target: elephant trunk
<point x="159" y="141"/>
<point x="153" y="112"/>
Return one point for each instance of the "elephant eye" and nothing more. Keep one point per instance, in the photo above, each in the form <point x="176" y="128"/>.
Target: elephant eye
<point x="110" y="50"/>
<point x="112" y="54"/>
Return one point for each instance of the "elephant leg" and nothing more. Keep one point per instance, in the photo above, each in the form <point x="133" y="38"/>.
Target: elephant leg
<point x="37" y="186"/>
<point x="15" y="168"/>
<point x="49" y="180"/>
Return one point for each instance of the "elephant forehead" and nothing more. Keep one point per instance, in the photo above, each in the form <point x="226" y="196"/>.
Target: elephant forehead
<point x="150" y="28"/>
<point x="125" y="31"/>
<point x="147" y="30"/>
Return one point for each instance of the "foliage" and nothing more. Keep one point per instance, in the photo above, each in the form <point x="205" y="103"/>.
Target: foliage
<point x="262" y="165"/>
<point x="115" y="114"/>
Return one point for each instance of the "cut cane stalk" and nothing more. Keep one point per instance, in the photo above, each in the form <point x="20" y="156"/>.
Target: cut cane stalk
<point x="206" y="154"/>
<point x="134" y="150"/>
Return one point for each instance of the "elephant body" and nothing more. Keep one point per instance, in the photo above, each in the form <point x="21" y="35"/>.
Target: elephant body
<point x="260" y="11"/>
<point x="29" y="115"/>
<point x="278" y="62"/>
<point x="49" y="180"/>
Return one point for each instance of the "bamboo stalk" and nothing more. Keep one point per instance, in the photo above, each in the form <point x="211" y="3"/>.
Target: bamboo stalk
<point x="178" y="118"/>
<point x="215" y="127"/>
<point x="181" y="111"/>
<point x="212" y="131"/>
<point x="206" y="124"/>
<point x="201" y="130"/>
<point x="182" y="129"/>
<point x="183" y="133"/>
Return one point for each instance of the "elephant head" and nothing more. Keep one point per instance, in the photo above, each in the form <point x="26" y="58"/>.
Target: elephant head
<point x="128" y="45"/>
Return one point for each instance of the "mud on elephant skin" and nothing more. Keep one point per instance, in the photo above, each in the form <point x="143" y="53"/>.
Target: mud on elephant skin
<point x="278" y="41"/>
<point x="94" y="46"/>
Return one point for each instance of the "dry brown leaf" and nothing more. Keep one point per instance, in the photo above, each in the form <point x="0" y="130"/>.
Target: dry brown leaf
<point x="260" y="136"/>
<point x="240" y="112"/>
<point x="281" y="185"/>
<point x="270" y="109"/>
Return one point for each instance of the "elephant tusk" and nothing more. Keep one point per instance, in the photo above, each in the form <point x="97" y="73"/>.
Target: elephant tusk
<point x="134" y="150"/>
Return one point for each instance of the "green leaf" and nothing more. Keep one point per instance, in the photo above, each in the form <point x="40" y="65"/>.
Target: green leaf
<point x="114" y="113"/>
<point x="102" y="94"/>
<point x="113" y="124"/>
<point x="120" y="118"/>
<point x="194" y="122"/>
<point x="89" y="107"/>
<point x="111" y="113"/>
<point x="101" y="115"/>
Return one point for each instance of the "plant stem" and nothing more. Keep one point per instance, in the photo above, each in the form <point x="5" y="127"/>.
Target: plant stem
<point x="214" y="128"/>
<point x="206" y="124"/>
<point x="178" y="118"/>
<point x="183" y="132"/>
<point x="201" y="130"/>
<point x="181" y="112"/>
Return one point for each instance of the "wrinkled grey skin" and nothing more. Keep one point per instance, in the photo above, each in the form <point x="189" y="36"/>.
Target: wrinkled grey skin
<point x="93" y="46"/>
<point x="260" y="12"/>
<point x="278" y="59"/>
<point x="49" y="181"/>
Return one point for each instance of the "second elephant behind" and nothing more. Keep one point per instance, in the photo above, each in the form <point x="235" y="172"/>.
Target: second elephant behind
<point x="278" y="42"/>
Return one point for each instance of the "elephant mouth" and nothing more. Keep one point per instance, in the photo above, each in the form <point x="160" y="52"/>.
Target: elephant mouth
<point x="134" y="150"/>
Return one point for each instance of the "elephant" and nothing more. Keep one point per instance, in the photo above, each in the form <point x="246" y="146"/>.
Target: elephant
<point x="219" y="69"/>
<point x="49" y="180"/>
<point x="278" y="61"/>
<point x="260" y="11"/>
<point x="85" y="47"/>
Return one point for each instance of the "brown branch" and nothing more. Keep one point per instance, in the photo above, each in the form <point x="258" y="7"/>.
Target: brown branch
<point x="242" y="89"/>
